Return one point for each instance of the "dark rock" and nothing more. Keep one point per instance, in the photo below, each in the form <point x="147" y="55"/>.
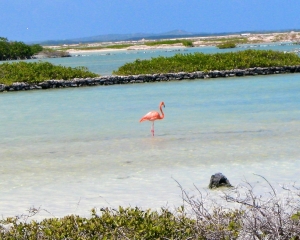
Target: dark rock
<point x="239" y="73"/>
<point x="218" y="180"/>
<point x="2" y="87"/>
<point x="214" y="74"/>
<point x="199" y="74"/>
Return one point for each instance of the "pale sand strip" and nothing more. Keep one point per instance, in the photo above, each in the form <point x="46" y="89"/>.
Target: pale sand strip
<point x="204" y="41"/>
<point x="131" y="48"/>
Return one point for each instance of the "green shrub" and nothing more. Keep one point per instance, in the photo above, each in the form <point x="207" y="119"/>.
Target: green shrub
<point x="17" y="50"/>
<point x="124" y="223"/>
<point x="39" y="71"/>
<point x="206" y="62"/>
<point x="36" y="48"/>
<point x="186" y="43"/>
<point x="226" y="45"/>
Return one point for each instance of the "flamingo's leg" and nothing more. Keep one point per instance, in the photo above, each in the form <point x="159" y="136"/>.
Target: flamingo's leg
<point x="152" y="128"/>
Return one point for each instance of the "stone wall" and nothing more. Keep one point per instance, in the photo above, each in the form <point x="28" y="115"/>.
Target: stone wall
<point x="143" y="78"/>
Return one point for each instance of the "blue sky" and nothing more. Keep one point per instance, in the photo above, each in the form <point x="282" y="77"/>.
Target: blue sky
<point x="39" y="20"/>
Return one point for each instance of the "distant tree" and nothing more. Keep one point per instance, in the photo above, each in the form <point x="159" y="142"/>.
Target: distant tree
<point x="35" y="48"/>
<point x="4" y="50"/>
<point x="17" y="50"/>
<point x="3" y="39"/>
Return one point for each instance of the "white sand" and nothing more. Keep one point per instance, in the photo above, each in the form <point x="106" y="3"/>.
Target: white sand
<point x="200" y="42"/>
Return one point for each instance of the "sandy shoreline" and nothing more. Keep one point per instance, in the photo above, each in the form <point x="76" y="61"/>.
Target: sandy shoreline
<point x="132" y="48"/>
<point x="75" y="51"/>
<point x="197" y="42"/>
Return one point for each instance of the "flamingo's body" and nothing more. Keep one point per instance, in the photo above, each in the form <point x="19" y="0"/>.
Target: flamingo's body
<point x="154" y="115"/>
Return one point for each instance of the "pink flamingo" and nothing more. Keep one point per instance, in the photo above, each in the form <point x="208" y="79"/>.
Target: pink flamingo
<point x="153" y="115"/>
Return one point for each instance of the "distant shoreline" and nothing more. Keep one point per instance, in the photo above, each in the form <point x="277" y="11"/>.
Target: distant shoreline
<point x="267" y="38"/>
<point x="136" y="48"/>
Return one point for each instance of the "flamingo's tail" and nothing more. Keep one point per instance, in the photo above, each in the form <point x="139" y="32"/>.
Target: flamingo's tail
<point x="142" y="119"/>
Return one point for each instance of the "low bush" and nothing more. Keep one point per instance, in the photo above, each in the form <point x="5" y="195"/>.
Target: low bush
<point x="206" y="62"/>
<point x="226" y="45"/>
<point x="184" y="42"/>
<point x="39" y="71"/>
<point x="124" y="223"/>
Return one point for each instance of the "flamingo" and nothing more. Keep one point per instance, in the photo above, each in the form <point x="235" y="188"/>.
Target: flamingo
<point x="153" y="115"/>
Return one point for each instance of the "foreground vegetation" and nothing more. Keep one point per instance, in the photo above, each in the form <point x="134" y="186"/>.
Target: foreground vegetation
<point x="39" y="71"/>
<point x="129" y="223"/>
<point x="207" y="62"/>
<point x="10" y="50"/>
<point x="200" y="218"/>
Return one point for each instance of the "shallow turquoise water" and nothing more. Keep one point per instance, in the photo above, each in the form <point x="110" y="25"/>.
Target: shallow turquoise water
<point x="105" y="63"/>
<point x="70" y="150"/>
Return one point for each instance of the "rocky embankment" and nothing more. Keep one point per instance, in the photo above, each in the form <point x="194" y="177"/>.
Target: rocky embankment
<point x="144" y="78"/>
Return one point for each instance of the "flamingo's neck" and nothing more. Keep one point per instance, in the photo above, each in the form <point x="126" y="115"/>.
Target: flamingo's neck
<point x="162" y="113"/>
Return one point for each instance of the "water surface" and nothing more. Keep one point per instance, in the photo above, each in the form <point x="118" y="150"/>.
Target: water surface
<point x="69" y="150"/>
